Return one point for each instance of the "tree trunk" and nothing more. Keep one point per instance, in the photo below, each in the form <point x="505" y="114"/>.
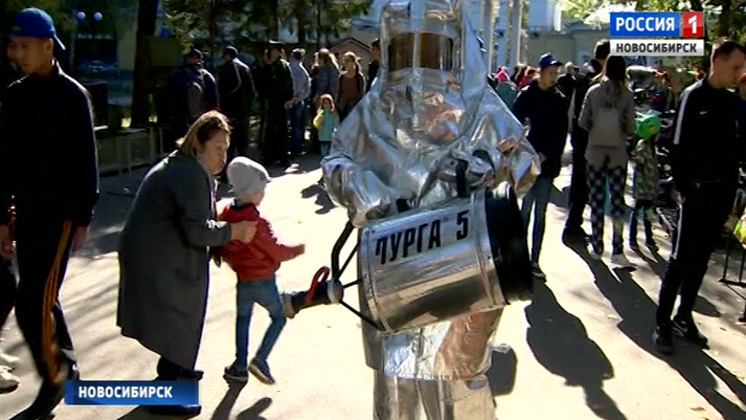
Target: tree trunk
<point x="724" y="19"/>
<point x="318" y="25"/>
<point x="274" y="21"/>
<point x="147" y="14"/>
<point x="300" y="18"/>
<point x="212" y="31"/>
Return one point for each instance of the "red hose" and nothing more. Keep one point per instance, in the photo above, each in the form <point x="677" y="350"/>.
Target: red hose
<point x="321" y="275"/>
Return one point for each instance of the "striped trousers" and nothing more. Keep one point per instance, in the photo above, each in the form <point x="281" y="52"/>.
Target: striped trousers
<point x="43" y="249"/>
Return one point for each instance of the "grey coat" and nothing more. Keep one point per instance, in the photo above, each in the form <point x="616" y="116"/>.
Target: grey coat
<point x="164" y="259"/>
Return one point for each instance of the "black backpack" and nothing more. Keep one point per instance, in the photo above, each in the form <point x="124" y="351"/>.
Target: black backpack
<point x="189" y="92"/>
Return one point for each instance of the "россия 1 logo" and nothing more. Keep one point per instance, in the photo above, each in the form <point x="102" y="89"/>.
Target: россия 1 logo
<point x="679" y="33"/>
<point x="656" y="25"/>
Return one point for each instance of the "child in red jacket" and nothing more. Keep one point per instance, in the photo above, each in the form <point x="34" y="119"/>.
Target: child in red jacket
<point x="255" y="265"/>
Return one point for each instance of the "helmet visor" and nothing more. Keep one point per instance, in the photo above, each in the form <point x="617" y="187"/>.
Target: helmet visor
<point x="435" y="52"/>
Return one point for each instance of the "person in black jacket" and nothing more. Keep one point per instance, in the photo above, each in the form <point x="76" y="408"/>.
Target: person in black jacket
<point x="579" y="139"/>
<point x="544" y="107"/>
<point x="276" y="90"/>
<point x="375" y="62"/>
<point x="193" y="92"/>
<point x="705" y="172"/>
<point x="742" y="110"/>
<point x="566" y="82"/>
<point x="49" y="171"/>
<point x="236" y="92"/>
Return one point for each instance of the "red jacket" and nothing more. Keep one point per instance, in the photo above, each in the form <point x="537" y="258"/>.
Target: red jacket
<point x="260" y="258"/>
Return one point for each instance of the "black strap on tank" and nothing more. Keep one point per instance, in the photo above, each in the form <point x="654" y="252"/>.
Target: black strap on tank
<point x="461" y="187"/>
<point x="482" y="154"/>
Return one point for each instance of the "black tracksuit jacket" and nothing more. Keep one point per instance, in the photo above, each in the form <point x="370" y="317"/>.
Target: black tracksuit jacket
<point x="705" y="145"/>
<point x="48" y="156"/>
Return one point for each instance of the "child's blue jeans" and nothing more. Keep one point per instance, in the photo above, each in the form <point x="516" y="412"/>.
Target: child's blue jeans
<point x="263" y="292"/>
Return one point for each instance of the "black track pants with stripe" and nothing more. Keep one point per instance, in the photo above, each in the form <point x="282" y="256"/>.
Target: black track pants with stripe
<point x="43" y="248"/>
<point x="701" y="221"/>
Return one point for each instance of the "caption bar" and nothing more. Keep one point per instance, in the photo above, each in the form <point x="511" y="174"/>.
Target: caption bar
<point x="657" y="47"/>
<point x="131" y="392"/>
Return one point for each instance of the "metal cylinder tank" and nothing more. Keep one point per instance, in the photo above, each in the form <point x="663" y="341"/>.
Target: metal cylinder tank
<point x="430" y="265"/>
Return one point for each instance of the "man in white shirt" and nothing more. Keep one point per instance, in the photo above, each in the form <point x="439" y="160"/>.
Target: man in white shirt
<point x="301" y="92"/>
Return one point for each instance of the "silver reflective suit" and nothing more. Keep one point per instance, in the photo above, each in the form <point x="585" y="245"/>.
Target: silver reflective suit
<point x="429" y="108"/>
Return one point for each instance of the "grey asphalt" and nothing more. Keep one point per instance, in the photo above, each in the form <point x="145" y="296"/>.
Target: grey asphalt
<point x="581" y="350"/>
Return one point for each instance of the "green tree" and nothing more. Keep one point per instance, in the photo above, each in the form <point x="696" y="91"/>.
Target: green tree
<point x="328" y="17"/>
<point x="114" y="13"/>
<point x="214" y="20"/>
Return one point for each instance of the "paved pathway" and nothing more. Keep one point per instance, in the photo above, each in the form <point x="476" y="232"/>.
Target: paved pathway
<point x="581" y="350"/>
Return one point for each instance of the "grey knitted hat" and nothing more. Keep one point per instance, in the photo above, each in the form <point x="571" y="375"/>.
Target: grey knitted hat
<point x="247" y="177"/>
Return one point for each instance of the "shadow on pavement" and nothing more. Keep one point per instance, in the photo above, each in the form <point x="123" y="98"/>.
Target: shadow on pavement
<point x="299" y="165"/>
<point x="223" y="410"/>
<point x="658" y="265"/>
<point x="502" y="372"/>
<point x="560" y="198"/>
<point x="637" y="312"/>
<point x="253" y="412"/>
<point x="561" y="344"/>
<point x="322" y="198"/>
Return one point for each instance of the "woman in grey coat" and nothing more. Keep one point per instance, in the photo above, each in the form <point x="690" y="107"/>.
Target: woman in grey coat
<point x="164" y="251"/>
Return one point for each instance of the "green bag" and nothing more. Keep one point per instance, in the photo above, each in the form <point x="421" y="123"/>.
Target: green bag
<point x="647" y="125"/>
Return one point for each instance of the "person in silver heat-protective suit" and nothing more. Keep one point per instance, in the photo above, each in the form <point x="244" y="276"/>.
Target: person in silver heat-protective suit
<point x="429" y="107"/>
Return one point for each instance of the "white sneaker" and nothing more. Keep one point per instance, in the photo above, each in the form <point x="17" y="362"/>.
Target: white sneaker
<point x="621" y="261"/>
<point x="8" y="360"/>
<point x="8" y="381"/>
<point x="594" y="255"/>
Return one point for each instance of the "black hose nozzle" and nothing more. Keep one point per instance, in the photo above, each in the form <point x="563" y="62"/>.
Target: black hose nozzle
<point x="321" y="292"/>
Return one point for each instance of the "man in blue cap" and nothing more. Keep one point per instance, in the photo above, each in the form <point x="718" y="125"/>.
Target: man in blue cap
<point x="49" y="172"/>
<point x="543" y="106"/>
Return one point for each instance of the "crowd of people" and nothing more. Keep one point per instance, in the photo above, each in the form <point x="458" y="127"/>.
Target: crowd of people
<point x="597" y="108"/>
<point x="175" y="228"/>
<point x="295" y="97"/>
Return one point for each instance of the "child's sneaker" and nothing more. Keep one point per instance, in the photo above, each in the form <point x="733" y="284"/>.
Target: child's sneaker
<point x="261" y="371"/>
<point x="232" y="373"/>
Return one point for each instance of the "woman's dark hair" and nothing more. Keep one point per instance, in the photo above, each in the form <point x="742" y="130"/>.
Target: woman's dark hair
<point x="615" y="69"/>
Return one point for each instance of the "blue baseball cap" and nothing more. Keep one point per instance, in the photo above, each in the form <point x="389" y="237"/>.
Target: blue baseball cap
<point x="547" y="60"/>
<point x="35" y="23"/>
